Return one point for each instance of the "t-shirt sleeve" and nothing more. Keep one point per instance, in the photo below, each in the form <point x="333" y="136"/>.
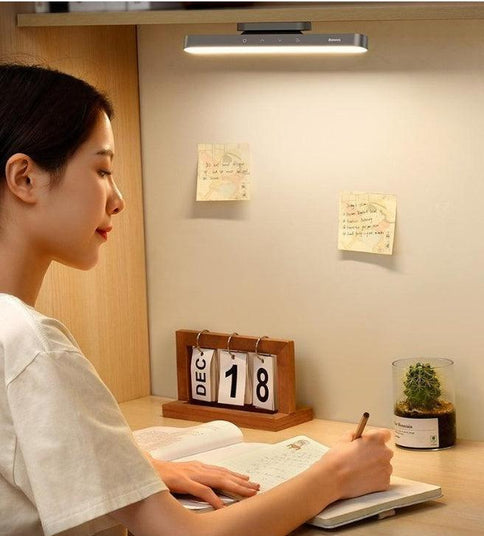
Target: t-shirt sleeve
<point x="79" y="454"/>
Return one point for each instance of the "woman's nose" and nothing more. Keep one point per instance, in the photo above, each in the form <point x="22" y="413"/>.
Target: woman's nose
<point x="117" y="203"/>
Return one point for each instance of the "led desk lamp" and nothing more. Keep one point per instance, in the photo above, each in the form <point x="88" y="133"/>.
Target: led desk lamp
<point x="276" y="38"/>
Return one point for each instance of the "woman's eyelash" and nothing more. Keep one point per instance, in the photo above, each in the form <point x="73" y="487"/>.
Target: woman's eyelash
<point x="104" y="172"/>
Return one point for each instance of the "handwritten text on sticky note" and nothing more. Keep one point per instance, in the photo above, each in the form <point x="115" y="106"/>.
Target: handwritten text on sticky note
<point x="223" y="172"/>
<point x="367" y="222"/>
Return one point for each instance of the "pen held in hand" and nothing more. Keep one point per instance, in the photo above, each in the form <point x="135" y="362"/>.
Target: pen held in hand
<point x="361" y="425"/>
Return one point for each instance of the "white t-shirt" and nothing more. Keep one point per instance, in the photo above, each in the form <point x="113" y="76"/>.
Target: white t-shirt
<point x="67" y="455"/>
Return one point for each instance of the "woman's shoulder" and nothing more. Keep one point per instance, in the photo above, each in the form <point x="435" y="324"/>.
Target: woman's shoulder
<point x="25" y="332"/>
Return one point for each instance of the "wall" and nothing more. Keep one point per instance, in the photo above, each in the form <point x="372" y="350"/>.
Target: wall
<point x="104" y="308"/>
<point x="406" y="118"/>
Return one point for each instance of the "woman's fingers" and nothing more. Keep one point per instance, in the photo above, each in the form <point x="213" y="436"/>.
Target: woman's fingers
<point x="200" y="480"/>
<point x="222" y="479"/>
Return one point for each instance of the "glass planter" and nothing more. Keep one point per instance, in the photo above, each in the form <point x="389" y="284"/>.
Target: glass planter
<point x="424" y="410"/>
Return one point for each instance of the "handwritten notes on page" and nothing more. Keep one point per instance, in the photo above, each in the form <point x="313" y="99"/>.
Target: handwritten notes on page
<point x="223" y="172"/>
<point x="367" y="222"/>
<point x="274" y="464"/>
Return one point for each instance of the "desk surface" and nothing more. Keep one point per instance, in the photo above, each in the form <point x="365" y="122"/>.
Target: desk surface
<point x="458" y="470"/>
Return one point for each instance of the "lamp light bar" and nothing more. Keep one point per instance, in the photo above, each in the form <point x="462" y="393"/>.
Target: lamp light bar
<point x="276" y="38"/>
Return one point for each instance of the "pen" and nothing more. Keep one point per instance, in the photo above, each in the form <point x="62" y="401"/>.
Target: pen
<point x="361" y="425"/>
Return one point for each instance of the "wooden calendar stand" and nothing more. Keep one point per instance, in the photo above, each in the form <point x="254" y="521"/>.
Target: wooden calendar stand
<point x="247" y="416"/>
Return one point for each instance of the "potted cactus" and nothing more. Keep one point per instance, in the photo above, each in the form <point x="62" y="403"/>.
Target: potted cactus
<point x="424" y="412"/>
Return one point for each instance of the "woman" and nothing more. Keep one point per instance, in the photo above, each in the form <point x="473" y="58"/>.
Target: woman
<point x="68" y="461"/>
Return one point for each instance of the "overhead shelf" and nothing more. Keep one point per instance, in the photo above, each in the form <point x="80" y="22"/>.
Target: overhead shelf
<point x="331" y="12"/>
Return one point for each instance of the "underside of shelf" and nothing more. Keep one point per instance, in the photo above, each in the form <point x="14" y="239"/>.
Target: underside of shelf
<point x="357" y="11"/>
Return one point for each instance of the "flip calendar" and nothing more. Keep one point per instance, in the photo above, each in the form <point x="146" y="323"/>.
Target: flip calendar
<point x="247" y="380"/>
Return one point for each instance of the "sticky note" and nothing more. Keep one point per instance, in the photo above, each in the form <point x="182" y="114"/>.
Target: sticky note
<point x="223" y="172"/>
<point x="367" y="222"/>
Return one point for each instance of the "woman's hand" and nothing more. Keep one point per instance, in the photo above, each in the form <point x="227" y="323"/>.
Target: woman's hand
<point x="199" y="479"/>
<point x="362" y="465"/>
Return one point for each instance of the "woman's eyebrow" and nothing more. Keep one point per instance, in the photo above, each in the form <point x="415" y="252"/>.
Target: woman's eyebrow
<point x="105" y="152"/>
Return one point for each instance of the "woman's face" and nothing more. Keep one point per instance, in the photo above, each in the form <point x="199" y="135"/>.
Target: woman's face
<point x="77" y="212"/>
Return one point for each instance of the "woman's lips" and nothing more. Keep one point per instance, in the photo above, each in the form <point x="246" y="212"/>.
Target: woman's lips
<point x="104" y="232"/>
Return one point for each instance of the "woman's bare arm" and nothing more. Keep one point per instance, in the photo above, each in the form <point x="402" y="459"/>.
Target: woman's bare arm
<point x="350" y="469"/>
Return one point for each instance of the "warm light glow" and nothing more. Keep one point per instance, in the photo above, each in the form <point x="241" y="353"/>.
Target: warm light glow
<point x="213" y="50"/>
<point x="276" y="43"/>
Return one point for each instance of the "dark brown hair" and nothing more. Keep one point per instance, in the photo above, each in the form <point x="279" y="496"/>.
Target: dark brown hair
<point x="45" y="114"/>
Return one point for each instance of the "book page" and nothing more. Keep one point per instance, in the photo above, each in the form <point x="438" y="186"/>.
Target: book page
<point x="216" y="457"/>
<point x="219" y="455"/>
<point x="169" y="443"/>
<point x="273" y="464"/>
<point x="268" y="465"/>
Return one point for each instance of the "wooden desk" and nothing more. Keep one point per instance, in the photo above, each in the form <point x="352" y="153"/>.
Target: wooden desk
<point x="459" y="470"/>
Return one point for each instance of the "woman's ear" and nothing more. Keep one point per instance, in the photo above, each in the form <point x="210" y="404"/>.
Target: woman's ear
<point x="20" y="173"/>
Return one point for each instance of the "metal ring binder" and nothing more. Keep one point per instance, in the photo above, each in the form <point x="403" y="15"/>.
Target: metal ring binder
<point x="198" y="339"/>
<point x="257" y="347"/>
<point x="228" y="345"/>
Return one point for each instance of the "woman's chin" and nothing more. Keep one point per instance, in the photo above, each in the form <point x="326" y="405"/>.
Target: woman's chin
<point x="84" y="264"/>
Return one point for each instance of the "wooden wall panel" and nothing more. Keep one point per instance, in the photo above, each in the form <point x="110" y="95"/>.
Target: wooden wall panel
<point x="105" y="308"/>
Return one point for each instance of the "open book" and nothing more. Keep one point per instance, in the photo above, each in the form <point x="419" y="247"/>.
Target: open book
<point x="221" y="443"/>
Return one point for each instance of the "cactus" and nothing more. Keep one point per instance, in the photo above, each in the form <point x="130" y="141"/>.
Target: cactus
<point x="422" y="386"/>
